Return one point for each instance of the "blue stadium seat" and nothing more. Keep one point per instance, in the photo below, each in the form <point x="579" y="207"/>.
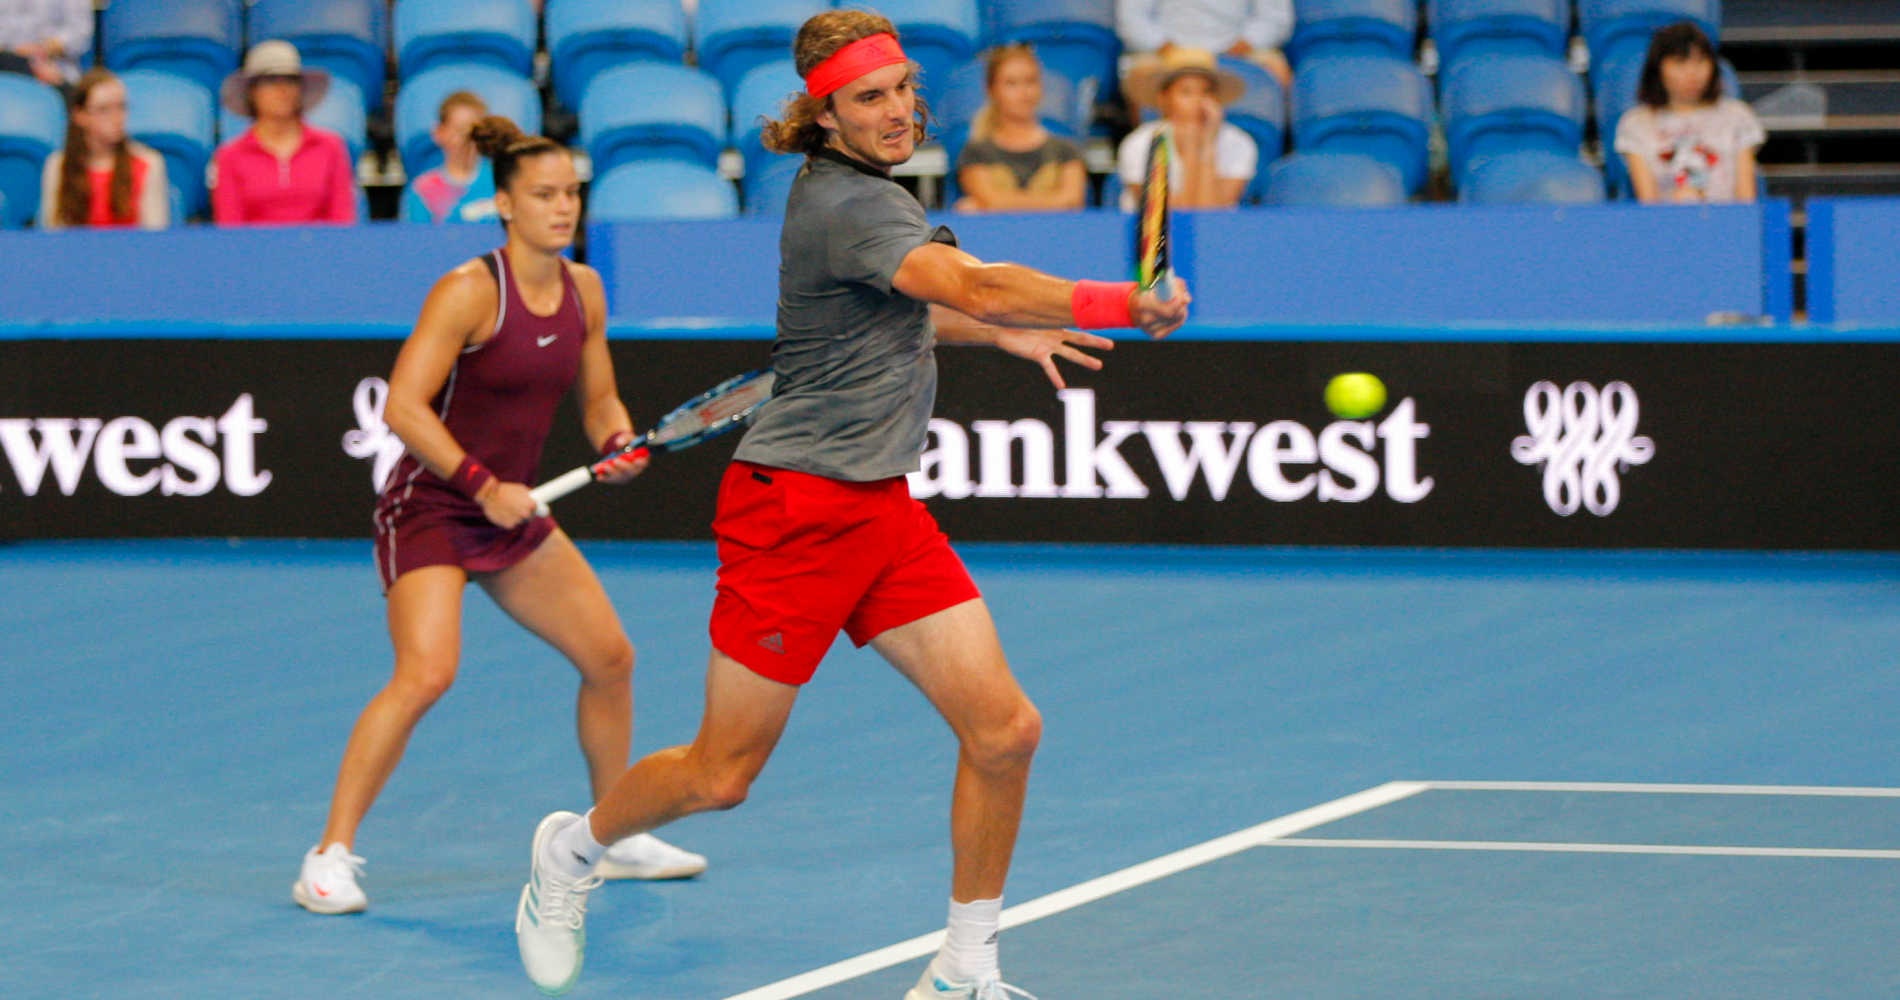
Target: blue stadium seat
<point x="1609" y="26"/>
<point x="1509" y="103"/>
<point x="1464" y="29"/>
<point x="732" y="36"/>
<point x="350" y="38"/>
<point x="1326" y="28"/>
<point x="1375" y="105"/>
<point x="1333" y="180"/>
<point x="507" y="94"/>
<point x="1261" y="113"/>
<point x="431" y="33"/>
<point x="653" y="111"/>
<point x="340" y="111"/>
<point x="1533" y="177"/>
<point x="767" y="183"/>
<point x="176" y="116"/>
<point x="586" y="37"/>
<point x="939" y="35"/>
<point x="761" y="94"/>
<point x="661" y="189"/>
<point x="1076" y="38"/>
<point x="200" y="39"/>
<point x="32" y="126"/>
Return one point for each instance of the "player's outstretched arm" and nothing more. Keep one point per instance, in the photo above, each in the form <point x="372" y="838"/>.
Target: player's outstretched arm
<point x="1011" y="295"/>
<point x="1040" y="346"/>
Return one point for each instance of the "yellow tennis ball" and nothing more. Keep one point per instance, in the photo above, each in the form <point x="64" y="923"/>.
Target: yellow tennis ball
<point x="1355" y="395"/>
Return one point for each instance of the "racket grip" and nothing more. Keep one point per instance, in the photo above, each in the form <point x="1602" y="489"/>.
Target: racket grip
<point x="560" y="486"/>
<point x="1164" y="286"/>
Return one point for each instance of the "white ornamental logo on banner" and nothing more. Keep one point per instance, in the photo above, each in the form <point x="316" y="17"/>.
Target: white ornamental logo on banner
<point x="1584" y="438"/>
<point x="372" y="440"/>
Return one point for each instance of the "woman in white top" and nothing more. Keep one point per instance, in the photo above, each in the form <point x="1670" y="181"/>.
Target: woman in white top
<point x="102" y="178"/>
<point x="1685" y="141"/>
<point x="1213" y="160"/>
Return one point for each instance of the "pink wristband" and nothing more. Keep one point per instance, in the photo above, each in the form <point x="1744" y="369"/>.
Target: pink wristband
<point x="1099" y="305"/>
<point x="470" y="477"/>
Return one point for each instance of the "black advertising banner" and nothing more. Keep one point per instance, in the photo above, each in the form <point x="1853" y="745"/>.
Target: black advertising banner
<point x="1610" y="444"/>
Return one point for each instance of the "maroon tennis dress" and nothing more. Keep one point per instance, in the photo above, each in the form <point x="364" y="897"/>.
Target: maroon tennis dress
<point x="499" y="404"/>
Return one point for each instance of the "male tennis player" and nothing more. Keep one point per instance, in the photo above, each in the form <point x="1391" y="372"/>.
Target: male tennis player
<point x="816" y="528"/>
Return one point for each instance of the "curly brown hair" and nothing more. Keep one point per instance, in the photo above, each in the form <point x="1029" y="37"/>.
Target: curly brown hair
<point x="797" y="130"/>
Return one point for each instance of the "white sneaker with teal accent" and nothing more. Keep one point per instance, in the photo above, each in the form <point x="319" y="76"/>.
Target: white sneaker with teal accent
<point x="551" y="919"/>
<point x="935" y="987"/>
<point x="327" y="883"/>
<point x="644" y="856"/>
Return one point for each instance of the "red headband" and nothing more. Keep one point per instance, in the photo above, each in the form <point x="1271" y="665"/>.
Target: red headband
<point x="853" y="61"/>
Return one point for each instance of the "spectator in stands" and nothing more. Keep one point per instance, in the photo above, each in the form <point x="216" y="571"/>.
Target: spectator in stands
<point x="1254" y="30"/>
<point x="462" y="189"/>
<point x="282" y="169"/>
<point x="102" y="178"/>
<point x="45" y="38"/>
<point x="1012" y="163"/>
<point x="1684" y="140"/>
<point x="1213" y="160"/>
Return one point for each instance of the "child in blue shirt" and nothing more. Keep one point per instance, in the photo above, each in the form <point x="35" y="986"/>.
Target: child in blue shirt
<point x="462" y="189"/>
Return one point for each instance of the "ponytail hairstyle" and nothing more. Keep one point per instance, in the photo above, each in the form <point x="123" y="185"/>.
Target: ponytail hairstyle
<point x="1681" y="40"/>
<point x="74" y="204"/>
<point x="505" y="145"/>
<point x="983" y="123"/>
<point x="798" y="131"/>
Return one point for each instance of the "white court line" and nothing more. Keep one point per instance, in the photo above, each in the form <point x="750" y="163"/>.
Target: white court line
<point x="1561" y="848"/>
<point x="1098" y="888"/>
<point x="1638" y="788"/>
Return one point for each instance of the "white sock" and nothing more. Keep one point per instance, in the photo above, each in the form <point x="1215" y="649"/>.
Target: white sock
<point x="573" y="850"/>
<point x="969" y="947"/>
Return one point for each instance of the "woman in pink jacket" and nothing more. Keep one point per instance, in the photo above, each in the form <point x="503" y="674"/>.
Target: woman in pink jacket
<point x="282" y="170"/>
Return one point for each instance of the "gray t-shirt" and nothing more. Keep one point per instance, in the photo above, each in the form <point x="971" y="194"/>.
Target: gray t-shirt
<point x="855" y="376"/>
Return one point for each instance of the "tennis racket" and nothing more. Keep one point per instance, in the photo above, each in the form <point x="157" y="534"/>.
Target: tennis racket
<point x="707" y="415"/>
<point x="1152" y="271"/>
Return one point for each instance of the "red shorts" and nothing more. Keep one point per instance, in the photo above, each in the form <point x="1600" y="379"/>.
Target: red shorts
<point x="415" y="531"/>
<point x="802" y="557"/>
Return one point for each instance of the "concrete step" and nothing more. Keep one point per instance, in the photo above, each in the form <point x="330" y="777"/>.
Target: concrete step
<point x="1841" y="92"/>
<point x="1800" y="181"/>
<point x="1834" y="22"/>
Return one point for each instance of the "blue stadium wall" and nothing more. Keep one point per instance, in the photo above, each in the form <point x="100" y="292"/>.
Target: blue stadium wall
<point x="1610" y="376"/>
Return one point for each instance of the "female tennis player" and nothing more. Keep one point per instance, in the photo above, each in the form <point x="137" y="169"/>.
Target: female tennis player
<point x="500" y="341"/>
<point x="816" y="529"/>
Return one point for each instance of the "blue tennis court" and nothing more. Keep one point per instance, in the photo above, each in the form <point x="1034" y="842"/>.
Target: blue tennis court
<point x="1265" y="772"/>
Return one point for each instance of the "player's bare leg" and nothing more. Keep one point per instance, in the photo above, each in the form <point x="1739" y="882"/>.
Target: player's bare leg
<point x="955" y="659"/>
<point x="555" y="594"/>
<point x="745" y="716"/>
<point x="425" y="629"/>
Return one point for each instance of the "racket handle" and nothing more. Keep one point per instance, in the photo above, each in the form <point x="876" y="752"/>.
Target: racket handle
<point x="560" y="486"/>
<point x="1164" y="286"/>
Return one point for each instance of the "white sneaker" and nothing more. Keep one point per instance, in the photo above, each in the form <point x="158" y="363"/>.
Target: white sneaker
<point x="327" y="883"/>
<point x="551" y="919"/>
<point x="934" y="987"/>
<point x="645" y="856"/>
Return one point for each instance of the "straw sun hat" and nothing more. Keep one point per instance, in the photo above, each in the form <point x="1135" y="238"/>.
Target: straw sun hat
<point x="272" y="58"/>
<point x="1147" y="80"/>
